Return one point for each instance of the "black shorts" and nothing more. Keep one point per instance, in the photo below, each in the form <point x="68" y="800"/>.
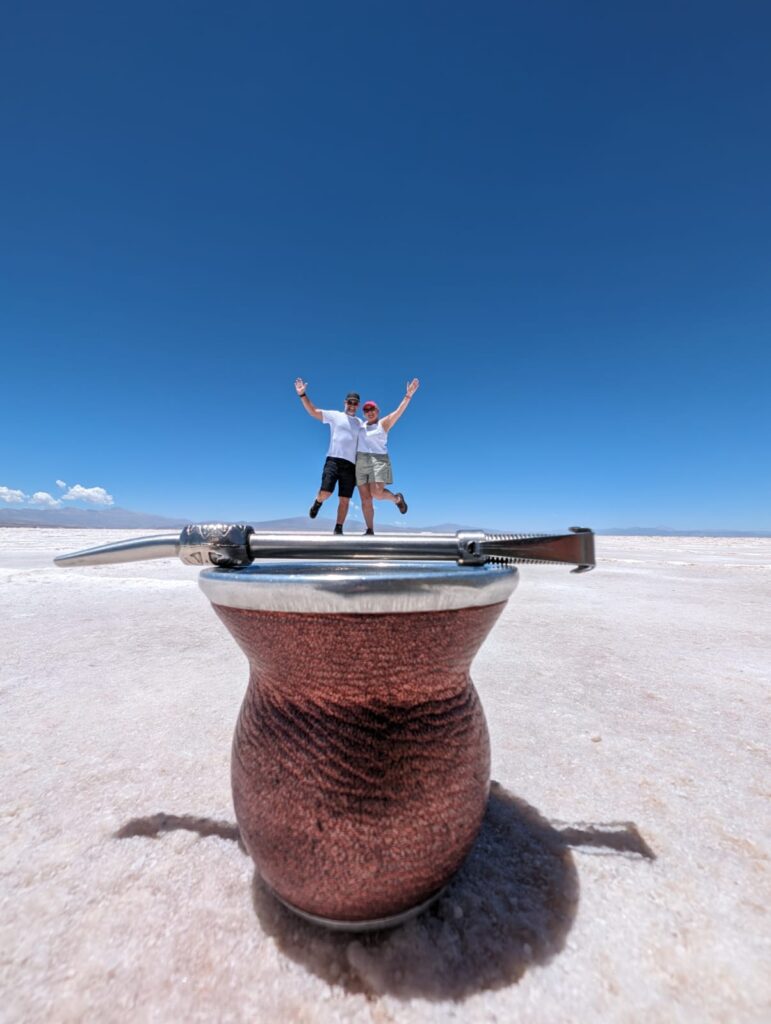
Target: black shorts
<point x="340" y="472"/>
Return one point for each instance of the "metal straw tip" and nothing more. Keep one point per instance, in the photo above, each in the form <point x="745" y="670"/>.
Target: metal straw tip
<point x="135" y="550"/>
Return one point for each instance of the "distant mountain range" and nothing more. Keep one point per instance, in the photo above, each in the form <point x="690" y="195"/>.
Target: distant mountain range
<point x="125" y="519"/>
<point x="664" y="531"/>
<point x="89" y="519"/>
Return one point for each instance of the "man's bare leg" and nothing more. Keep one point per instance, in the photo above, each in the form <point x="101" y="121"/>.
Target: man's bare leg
<point x="342" y="510"/>
<point x="321" y="497"/>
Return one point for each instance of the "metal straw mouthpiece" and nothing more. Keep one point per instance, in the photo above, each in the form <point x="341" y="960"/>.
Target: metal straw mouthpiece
<point x="233" y="545"/>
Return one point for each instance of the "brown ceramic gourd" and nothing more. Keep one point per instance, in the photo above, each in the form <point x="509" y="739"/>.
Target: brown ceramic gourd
<point x="361" y="757"/>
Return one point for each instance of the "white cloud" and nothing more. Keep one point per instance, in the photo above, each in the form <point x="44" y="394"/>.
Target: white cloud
<point x="89" y="495"/>
<point x="12" y="497"/>
<point x="45" y="499"/>
<point x="92" y="495"/>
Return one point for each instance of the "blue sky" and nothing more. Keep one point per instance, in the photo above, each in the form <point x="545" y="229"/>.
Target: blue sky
<point x="557" y="216"/>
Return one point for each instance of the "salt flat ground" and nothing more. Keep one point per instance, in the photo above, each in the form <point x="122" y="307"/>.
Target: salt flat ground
<point x="621" y="873"/>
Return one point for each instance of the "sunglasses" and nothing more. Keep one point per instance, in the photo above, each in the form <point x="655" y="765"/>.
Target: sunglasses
<point x="351" y="401"/>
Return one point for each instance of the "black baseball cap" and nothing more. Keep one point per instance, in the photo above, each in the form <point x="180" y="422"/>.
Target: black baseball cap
<point x="354" y="395"/>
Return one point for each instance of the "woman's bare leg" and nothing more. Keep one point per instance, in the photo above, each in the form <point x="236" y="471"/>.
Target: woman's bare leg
<point x="367" y="508"/>
<point x="381" y="492"/>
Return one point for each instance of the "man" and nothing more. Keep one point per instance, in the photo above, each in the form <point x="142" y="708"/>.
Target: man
<point x="340" y="466"/>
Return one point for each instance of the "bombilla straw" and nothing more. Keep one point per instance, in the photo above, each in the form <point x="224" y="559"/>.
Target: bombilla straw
<point x="233" y="545"/>
<point x="136" y="549"/>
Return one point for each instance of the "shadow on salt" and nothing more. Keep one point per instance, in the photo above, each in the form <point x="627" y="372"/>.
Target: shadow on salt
<point x="509" y="907"/>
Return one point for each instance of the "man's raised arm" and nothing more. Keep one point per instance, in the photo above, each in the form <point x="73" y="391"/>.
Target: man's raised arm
<point x="300" y="387"/>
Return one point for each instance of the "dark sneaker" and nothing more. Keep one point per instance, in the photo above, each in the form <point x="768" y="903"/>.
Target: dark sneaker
<point x="314" y="510"/>
<point x="369" y="533"/>
<point x="338" y="529"/>
<point x="401" y="504"/>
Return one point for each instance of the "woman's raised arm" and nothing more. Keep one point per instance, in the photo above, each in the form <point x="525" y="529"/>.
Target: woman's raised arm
<point x="388" y="421"/>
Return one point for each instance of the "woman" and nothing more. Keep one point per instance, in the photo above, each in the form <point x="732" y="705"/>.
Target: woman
<point x="373" y="465"/>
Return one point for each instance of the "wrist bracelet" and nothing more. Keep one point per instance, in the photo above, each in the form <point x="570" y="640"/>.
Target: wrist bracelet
<point x="301" y="395"/>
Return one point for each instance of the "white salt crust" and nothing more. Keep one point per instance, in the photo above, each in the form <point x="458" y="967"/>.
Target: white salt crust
<point x="628" y="713"/>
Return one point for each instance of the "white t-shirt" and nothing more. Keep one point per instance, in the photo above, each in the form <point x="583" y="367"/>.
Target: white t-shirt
<point x="373" y="439"/>
<point x="345" y="433"/>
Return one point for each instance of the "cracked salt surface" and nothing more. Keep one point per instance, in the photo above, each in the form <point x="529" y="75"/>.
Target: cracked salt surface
<point x="622" y="871"/>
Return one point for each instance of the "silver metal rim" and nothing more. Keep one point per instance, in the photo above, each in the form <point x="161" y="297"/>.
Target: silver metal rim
<point x="358" y="588"/>
<point x="374" y="924"/>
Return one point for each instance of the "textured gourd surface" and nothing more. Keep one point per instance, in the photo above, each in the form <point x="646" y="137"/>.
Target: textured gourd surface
<point x="361" y="758"/>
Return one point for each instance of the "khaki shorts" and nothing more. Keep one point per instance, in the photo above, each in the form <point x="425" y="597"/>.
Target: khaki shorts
<point x="373" y="469"/>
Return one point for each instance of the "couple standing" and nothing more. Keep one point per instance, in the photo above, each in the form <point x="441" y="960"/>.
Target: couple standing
<point x="358" y="454"/>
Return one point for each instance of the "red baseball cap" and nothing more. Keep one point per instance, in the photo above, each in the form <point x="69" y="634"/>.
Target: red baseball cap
<point x="370" y="405"/>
